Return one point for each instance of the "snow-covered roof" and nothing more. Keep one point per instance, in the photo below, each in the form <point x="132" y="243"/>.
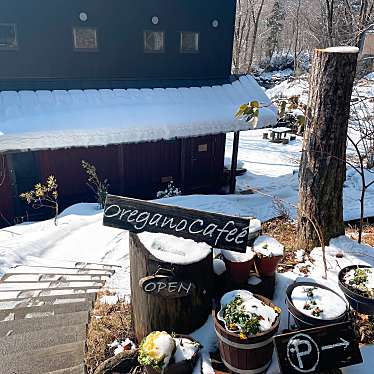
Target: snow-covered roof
<point x="34" y="120"/>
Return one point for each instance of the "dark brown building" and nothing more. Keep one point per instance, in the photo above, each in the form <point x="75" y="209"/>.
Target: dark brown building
<point x="140" y="89"/>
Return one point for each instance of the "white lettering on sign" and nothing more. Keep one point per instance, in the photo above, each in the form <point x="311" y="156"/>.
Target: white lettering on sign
<point x="171" y="287"/>
<point x="303" y="353"/>
<point x="228" y="232"/>
<point x="342" y="343"/>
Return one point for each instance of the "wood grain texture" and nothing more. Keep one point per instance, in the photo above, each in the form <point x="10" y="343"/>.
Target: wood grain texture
<point x="322" y="168"/>
<point x="217" y="230"/>
<point x="152" y="312"/>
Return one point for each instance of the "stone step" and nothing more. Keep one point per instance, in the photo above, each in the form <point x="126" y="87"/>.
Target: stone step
<point x="35" y="340"/>
<point x="55" y="299"/>
<point x="27" y="278"/>
<point x="44" y="360"/>
<point x="35" y="302"/>
<point x="80" y="369"/>
<point x="10" y="286"/>
<point x="33" y="260"/>
<point x="22" y="326"/>
<point x="10" y="294"/>
<point x="56" y="270"/>
<point x="43" y="311"/>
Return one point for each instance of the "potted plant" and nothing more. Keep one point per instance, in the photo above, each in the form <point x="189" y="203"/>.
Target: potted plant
<point x="245" y="325"/>
<point x="357" y="283"/>
<point x="269" y="252"/>
<point x="161" y="352"/>
<point x="312" y="304"/>
<point x="239" y="265"/>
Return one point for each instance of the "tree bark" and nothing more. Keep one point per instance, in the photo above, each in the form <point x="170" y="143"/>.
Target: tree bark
<point x="322" y="168"/>
<point x="179" y="315"/>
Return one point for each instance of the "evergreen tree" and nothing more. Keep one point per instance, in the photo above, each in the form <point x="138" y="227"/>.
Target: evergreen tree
<point x="275" y="25"/>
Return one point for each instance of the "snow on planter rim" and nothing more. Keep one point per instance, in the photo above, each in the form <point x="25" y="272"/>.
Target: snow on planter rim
<point x="251" y="305"/>
<point x="331" y="304"/>
<point x="169" y="248"/>
<point x="268" y="246"/>
<point x="238" y="257"/>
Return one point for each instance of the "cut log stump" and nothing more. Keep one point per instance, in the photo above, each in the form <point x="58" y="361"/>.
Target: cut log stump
<point x="159" y="311"/>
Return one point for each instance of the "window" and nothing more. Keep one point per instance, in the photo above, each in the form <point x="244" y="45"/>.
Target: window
<point x="85" y="38"/>
<point x="154" y="41"/>
<point x="189" y="42"/>
<point x="8" y="36"/>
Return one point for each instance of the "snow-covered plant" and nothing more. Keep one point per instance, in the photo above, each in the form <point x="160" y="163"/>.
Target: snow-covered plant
<point x="170" y="191"/>
<point x="98" y="186"/>
<point x="43" y="196"/>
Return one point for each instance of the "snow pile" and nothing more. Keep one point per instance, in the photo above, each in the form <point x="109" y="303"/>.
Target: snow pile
<point x="238" y="257"/>
<point x="268" y="246"/>
<point x="120" y="346"/>
<point x="287" y="89"/>
<point x="76" y="118"/>
<point x="109" y="299"/>
<point x="219" y="266"/>
<point x="169" y="248"/>
<point x="158" y="346"/>
<point x="185" y="349"/>
<point x="308" y="299"/>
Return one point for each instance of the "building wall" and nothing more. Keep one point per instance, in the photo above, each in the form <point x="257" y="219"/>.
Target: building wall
<point x="45" y="57"/>
<point x="6" y="202"/>
<point x="135" y="170"/>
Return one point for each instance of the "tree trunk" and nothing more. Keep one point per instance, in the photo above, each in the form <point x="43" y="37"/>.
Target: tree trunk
<point x="322" y="168"/>
<point x="152" y="312"/>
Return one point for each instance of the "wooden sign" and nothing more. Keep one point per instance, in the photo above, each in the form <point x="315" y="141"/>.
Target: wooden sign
<point x="321" y="348"/>
<point x="217" y="230"/>
<point x="165" y="286"/>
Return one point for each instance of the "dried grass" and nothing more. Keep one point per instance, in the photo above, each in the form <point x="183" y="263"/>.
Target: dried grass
<point x="285" y="232"/>
<point x="108" y="323"/>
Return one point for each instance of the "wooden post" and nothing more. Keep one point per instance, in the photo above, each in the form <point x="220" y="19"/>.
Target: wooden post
<point x="155" y="310"/>
<point x="322" y="168"/>
<point x="234" y="162"/>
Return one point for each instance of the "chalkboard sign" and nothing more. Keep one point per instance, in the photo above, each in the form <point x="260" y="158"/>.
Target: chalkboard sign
<point x="217" y="230"/>
<point x="165" y="286"/>
<point x="321" y="348"/>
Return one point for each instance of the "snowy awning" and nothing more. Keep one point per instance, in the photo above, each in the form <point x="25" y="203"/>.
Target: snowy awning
<point x="32" y="120"/>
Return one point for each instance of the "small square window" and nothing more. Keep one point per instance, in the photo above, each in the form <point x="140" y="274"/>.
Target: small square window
<point x="85" y="38"/>
<point x="154" y="41"/>
<point x="189" y="42"/>
<point x="8" y="36"/>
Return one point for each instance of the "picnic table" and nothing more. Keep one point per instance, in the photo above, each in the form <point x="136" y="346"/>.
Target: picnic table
<point x="278" y="134"/>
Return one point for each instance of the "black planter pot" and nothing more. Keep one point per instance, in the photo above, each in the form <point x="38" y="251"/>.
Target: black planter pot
<point x="359" y="303"/>
<point x="304" y="321"/>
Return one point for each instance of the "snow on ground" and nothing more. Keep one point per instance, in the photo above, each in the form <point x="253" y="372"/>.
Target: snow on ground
<point x="80" y="236"/>
<point x="273" y="170"/>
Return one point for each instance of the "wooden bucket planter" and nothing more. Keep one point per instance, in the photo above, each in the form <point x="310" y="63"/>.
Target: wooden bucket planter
<point x="246" y="356"/>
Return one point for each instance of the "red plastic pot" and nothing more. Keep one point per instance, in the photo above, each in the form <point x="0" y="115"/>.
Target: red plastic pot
<point x="267" y="266"/>
<point x="239" y="271"/>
